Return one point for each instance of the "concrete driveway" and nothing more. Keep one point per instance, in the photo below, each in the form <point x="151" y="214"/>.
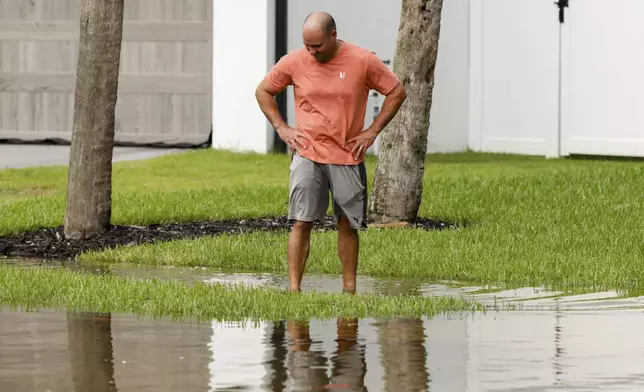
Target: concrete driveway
<point x="29" y="155"/>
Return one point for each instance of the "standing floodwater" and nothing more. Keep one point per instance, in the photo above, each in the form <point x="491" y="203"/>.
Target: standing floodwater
<point x="498" y="351"/>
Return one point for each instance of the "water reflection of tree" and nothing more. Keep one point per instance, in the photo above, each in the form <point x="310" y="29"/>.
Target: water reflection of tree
<point x="402" y="344"/>
<point x="403" y="355"/>
<point x="91" y="352"/>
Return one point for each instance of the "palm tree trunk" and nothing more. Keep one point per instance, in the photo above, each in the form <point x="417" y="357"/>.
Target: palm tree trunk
<point x="89" y="187"/>
<point x="398" y="179"/>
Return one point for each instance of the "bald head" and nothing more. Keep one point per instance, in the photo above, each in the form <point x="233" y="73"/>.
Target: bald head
<point x="319" y="35"/>
<point x="321" y="21"/>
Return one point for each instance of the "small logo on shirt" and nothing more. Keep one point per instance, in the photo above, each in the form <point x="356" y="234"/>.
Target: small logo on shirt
<point x="342" y="74"/>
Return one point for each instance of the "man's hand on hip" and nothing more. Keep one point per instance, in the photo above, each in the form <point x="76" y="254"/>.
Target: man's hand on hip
<point x="293" y="138"/>
<point x="362" y="143"/>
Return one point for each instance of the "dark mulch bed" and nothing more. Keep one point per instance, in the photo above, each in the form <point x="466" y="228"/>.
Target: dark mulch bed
<point x="51" y="244"/>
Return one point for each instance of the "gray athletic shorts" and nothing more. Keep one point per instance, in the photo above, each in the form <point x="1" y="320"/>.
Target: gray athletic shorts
<point x="310" y="183"/>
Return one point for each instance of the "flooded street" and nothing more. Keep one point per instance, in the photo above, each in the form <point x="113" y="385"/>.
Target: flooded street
<point x="498" y="351"/>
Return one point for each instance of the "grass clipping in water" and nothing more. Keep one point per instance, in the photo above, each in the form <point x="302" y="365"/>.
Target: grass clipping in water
<point x="31" y="289"/>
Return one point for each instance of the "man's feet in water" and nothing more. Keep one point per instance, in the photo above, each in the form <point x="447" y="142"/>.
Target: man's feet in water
<point x="348" y="290"/>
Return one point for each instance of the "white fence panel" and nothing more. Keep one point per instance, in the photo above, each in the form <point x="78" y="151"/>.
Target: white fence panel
<point x="514" y="71"/>
<point x="603" y="78"/>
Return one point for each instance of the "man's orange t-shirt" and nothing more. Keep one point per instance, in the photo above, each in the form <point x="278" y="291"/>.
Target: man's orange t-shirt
<point x="331" y="98"/>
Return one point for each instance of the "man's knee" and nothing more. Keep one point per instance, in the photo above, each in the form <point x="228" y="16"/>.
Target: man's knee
<point x="344" y="225"/>
<point x="302" y="226"/>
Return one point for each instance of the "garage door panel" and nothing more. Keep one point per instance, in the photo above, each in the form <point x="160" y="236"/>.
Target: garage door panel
<point x="165" y="71"/>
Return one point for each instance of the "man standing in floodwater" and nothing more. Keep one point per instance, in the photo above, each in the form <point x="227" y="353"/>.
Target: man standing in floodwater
<point x="331" y="80"/>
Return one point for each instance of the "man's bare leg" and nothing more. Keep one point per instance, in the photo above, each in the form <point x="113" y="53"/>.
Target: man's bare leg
<point x="348" y="248"/>
<point x="299" y="244"/>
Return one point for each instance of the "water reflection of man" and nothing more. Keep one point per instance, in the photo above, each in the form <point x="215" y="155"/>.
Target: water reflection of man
<point x="348" y="364"/>
<point x="308" y="368"/>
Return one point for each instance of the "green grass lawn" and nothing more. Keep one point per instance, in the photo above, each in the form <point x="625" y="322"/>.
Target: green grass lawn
<point x="190" y="186"/>
<point x="561" y="223"/>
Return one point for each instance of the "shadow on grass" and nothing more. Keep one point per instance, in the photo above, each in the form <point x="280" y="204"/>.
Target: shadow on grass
<point x="607" y="158"/>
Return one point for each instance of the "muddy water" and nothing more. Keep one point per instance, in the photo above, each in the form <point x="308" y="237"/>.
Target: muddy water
<point x="498" y="351"/>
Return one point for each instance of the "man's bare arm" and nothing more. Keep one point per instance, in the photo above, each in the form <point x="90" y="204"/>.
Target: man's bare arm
<point x="391" y="105"/>
<point x="294" y="138"/>
<point x="266" y="100"/>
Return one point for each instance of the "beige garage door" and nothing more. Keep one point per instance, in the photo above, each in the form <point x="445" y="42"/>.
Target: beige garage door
<point x="166" y="71"/>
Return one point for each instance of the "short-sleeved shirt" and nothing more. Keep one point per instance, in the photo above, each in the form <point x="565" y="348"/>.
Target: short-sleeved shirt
<point x="331" y="98"/>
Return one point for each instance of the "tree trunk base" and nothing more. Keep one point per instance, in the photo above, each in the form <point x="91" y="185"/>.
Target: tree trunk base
<point x="85" y="233"/>
<point x="389" y="225"/>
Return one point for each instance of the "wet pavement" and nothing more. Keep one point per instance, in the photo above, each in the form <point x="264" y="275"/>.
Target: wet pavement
<point x="32" y="155"/>
<point x="496" y="351"/>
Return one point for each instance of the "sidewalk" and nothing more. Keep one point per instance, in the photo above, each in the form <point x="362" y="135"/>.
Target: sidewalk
<point x="27" y="155"/>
